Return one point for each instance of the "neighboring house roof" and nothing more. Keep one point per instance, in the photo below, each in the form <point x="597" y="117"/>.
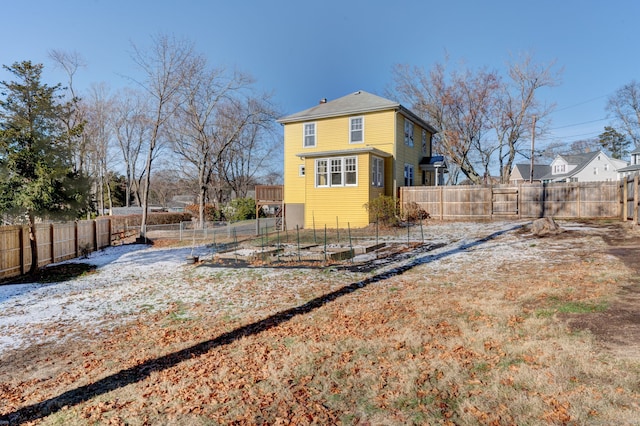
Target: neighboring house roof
<point x="580" y="160"/>
<point x="632" y="168"/>
<point x="433" y="163"/>
<point x="539" y="171"/>
<point x="354" y="103"/>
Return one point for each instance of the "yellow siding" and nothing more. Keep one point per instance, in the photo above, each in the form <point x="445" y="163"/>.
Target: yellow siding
<point x="382" y="130"/>
<point x="409" y="155"/>
<point x="343" y="205"/>
<point x="294" y="185"/>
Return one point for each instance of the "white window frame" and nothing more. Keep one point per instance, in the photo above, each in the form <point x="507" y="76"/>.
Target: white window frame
<point x="333" y="171"/>
<point x="301" y="170"/>
<point x="409" y="175"/>
<point x="322" y="170"/>
<point x="352" y="121"/>
<point x="377" y="172"/>
<point x="408" y="132"/>
<point x="313" y="136"/>
<point x="350" y="171"/>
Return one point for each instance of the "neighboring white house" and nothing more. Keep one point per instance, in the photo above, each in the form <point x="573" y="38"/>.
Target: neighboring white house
<point x="587" y="167"/>
<point x="633" y="168"/>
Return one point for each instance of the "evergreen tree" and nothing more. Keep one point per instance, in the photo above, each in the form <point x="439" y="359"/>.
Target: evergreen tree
<point x="37" y="177"/>
<point x="614" y="142"/>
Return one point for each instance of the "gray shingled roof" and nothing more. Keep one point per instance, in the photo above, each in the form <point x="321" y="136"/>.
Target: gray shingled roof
<point x="354" y="103"/>
<point x="539" y="170"/>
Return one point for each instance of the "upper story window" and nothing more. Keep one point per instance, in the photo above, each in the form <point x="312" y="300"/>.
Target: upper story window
<point x="408" y="132"/>
<point x="309" y="135"/>
<point x="559" y="168"/>
<point x="606" y="167"/>
<point x="356" y="132"/>
<point x="377" y="172"/>
<point x="424" y="142"/>
<point x="337" y="171"/>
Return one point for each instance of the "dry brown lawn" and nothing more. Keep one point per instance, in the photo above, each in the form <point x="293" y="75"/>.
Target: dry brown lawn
<point x="506" y="330"/>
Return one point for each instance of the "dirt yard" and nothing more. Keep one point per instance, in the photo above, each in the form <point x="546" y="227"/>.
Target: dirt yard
<point x="484" y="324"/>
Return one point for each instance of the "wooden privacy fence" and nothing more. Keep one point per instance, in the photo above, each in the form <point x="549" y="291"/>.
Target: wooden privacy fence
<point x="56" y="242"/>
<point x="570" y="200"/>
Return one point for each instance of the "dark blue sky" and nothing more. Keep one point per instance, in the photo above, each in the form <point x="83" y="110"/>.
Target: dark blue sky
<point x="304" y="51"/>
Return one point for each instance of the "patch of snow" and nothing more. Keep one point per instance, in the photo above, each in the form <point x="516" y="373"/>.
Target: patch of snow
<point x="130" y="280"/>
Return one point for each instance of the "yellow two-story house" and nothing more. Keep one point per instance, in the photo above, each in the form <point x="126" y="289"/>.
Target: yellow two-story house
<point x="340" y="155"/>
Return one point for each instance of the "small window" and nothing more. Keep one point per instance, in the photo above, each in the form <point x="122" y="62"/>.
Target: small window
<point x="408" y="132"/>
<point x="309" y="135"/>
<point x="408" y="175"/>
<point x="595" y="170"/>
<point x="606" y="167"/>
<point x="377" y="172"/>
<point x="301" y="170"/>
<point x="356" y="134"/>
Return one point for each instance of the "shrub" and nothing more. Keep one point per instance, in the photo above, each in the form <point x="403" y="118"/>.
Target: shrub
<point x="211" y="213"/>
<point x="240" y="209"/>
<point x="384" y="210"/>
<point x="412" y="212"/>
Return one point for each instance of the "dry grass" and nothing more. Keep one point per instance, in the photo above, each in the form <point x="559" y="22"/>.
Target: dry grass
<point x="463" y="340"/>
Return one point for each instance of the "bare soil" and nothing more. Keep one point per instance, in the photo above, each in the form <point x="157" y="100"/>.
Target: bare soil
<point x="618" y="328"/>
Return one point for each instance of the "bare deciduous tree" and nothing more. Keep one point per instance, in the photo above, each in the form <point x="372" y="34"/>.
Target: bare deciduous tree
<point x="481" y="118"/>
<point x="516" y="105"/>
<point x="164" y="66"/>
<point x="131" y="128"/>
<point x="624" y="107"/>
<point x="247" y="156"/>
<point x="457" y="104"/>
<point x="98" y="138"/>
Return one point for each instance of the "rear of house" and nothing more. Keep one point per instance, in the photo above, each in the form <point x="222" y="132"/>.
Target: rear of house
<point x="340" y="155"/>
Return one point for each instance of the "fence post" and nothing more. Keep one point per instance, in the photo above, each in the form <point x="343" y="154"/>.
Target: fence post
<point x="625" y="196"/>
<point x="95" y="234"/>
<point x="519" y="199"/>
<point x="53" y="244"/>
<point x="75" y="236"/>
<point x="636" y="200"/>
<point x="21" y="244"/>
<point x="441" y="202"/>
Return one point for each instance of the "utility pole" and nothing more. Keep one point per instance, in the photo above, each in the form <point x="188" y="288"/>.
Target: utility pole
<point x="533" y="139"/>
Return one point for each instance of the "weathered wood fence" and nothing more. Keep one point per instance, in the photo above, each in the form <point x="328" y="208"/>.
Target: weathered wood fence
<point x="56" y="242"/>
<point x="569" y="200"/>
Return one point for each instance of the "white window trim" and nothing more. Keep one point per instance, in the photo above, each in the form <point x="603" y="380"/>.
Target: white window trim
<point x="328" y="173"/>
<point x="408" y="132"/>
<point x="316" y="174"/>
<point x="410" y="167"/>
<point x="304" y="135"/>
<point x="424" y="142"/>
<point x="351" y="128"/>
<point x="377" y="172"/>
<point x="301" y="171"/>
